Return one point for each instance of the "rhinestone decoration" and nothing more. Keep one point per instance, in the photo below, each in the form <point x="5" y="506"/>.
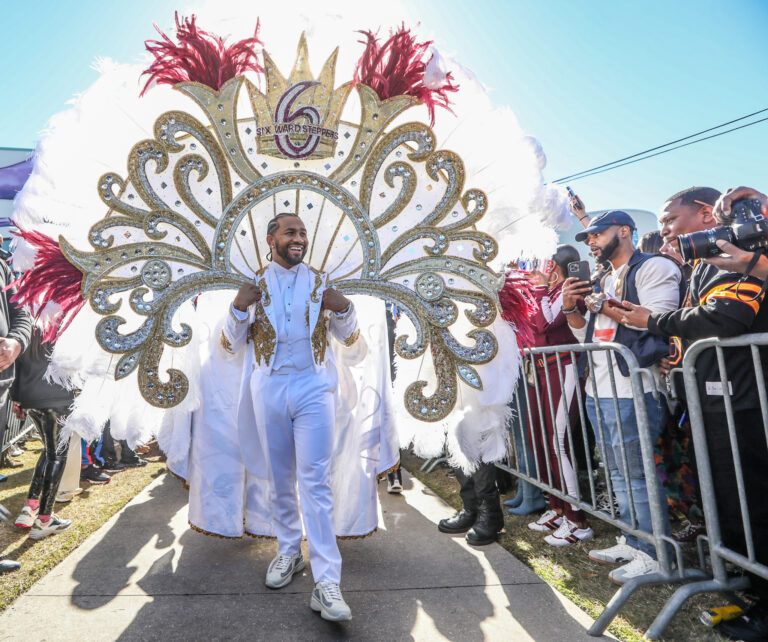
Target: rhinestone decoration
<point x="173" y="246"/>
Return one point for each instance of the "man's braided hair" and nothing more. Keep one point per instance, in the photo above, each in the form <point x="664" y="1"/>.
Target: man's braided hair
<point x="273" y="225"/>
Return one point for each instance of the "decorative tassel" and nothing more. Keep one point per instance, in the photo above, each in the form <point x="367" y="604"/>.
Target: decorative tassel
<point x="518" y="305"/>
<point x="397" y="68"/>
<point x="199" y="57"/>
<point x="52" y="282"/>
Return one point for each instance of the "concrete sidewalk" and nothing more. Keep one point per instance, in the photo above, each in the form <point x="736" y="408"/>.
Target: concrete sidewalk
<point x="146" y="576"/>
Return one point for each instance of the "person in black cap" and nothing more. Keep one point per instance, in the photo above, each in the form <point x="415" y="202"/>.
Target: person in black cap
<point x="655" y="282"/>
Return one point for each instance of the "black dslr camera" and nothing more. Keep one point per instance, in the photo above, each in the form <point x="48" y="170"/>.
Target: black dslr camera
<point x="746" y="228"/>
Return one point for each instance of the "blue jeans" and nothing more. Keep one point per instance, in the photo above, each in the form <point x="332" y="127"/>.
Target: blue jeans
<point x="525" y="461"/>
<point x="657" y="416"/>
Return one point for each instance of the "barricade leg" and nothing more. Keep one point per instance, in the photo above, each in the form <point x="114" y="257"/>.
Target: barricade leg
<point x="625" y="592"/>
<point x="679" y="597"/>
<point x="620" y="598"/>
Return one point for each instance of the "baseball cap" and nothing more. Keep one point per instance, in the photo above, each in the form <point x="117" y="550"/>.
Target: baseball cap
<point x="605" y="220"/>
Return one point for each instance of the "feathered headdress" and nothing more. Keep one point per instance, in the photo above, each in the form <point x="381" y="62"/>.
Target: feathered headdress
<point x="199" y="56"/>
<point x="397" y="68"/>
<point x="51" y="289"/>
<point x="518" y="305"/>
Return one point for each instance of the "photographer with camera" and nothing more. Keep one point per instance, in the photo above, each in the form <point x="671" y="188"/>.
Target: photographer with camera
<point x="723" y="303"/>
<point x="653" y="281"/>
<point x="735" y="259"/>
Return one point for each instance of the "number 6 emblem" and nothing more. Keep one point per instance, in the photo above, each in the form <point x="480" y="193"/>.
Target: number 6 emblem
<point x="284" y="117"/>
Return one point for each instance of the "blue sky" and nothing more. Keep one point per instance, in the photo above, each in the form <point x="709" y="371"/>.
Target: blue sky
<point x="593" y="81"/>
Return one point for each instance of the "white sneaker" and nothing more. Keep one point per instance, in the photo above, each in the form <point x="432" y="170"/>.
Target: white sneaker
<point x="619" y="554"/>
<point x="643" y="564"/>
<point x="51" y="527"/>
<point x="569" y="533"/>
<point x="549" y="521"/>
<point x="64" y="496"/>
<point x="26" y="518"/>
<point x="15" y="451"/>
<point x="327" y="599"/>
<point x="282" y="569"/>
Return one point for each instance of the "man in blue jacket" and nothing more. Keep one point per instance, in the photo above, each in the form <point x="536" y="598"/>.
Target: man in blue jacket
<point x="655" y="282"/>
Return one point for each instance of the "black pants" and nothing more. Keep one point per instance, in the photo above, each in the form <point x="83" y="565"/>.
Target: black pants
<point x="53" y="459"/>
<point x="478" y="486"/>
<point x="108" y="452"/>
<point x="754" y="455"/>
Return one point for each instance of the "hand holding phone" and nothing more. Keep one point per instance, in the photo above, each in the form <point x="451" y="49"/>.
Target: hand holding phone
<point x="615" y="303"/>
<point x="577" y="207"/>
<point x="579" y="270"/>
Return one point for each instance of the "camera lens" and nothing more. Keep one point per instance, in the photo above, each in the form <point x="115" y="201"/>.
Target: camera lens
<point x="703" y="245"/>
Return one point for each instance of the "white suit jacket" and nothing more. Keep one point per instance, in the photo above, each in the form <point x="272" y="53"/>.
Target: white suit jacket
<point x="258" y="331"/>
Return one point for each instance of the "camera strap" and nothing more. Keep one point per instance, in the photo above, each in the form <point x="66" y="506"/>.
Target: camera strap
<point x="750" y="266"/>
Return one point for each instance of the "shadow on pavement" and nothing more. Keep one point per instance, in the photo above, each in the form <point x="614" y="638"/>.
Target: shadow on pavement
<point x="107" y="569"/>
<point x="407" y="582"/>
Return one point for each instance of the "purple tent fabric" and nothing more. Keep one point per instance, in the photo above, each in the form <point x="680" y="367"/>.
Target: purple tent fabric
<point x="13" y="177"/>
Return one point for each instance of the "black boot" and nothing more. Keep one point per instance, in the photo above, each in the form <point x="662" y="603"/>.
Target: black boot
<point x="461" y="522"/>
<point x="490" y="521"/>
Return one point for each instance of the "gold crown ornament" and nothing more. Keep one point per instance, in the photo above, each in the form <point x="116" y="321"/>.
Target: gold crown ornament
<point x="298" y="117"/>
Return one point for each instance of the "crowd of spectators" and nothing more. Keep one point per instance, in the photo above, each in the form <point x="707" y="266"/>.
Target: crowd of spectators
<point x="645" y="297"/>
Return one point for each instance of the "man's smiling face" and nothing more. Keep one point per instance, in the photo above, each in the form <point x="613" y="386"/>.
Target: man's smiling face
<point x="289" y="241"/>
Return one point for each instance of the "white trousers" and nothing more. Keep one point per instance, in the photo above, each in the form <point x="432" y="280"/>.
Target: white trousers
<point x="560" y="436"/>
<point x="295" y="414"/>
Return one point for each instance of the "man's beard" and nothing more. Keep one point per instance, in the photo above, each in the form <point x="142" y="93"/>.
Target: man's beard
<point x="608" y="251"/>
<point x="282" y="252"/>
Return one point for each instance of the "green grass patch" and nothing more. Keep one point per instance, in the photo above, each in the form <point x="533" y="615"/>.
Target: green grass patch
<point x="88" y="511"/>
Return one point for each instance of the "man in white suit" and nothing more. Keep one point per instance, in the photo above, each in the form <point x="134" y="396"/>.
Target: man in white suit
<point x="290" y="381"/>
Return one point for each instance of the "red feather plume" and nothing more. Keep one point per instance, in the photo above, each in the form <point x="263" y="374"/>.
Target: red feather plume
<point x="518" y="305"/>
<point x="397" y="68"/>
<point x="53" y="278"/>
<point x="199" y="56"/>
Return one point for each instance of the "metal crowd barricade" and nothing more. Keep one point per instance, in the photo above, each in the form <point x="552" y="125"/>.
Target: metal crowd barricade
<point x="719" y="553"/>
<point x="670" y="572"/>
<point x="15" y="429"/>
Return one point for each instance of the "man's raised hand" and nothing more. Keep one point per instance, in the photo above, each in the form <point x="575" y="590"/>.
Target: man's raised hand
<point x="334" y="301"/>
<point x="248" y="294"/>
<point x="722" y="209"/>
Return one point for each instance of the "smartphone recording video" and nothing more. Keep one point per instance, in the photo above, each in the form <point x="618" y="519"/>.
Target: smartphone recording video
<point x="579" y="270"/>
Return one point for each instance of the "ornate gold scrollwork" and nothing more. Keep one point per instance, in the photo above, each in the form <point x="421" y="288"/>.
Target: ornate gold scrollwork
<point x="159" y="251"/>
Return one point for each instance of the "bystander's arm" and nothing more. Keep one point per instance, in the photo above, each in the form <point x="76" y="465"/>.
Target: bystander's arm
<point x="579" y="210"/>
<point x="727" y="308"/>
<point x="19" y="320"/>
